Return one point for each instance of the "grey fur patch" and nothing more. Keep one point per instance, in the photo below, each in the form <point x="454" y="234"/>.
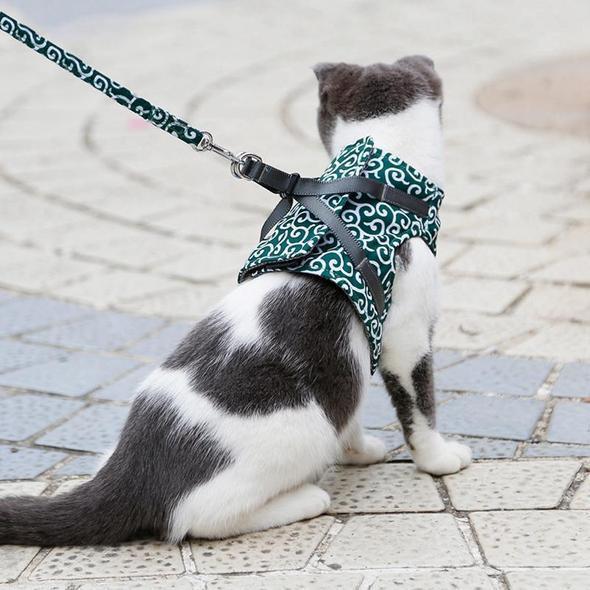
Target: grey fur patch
<point x="356" y="93"/>
<point x="303" y="354"/>
<point x="423" y="381"/>
<point x="403" y="256"/>
<point x="403" y="402"/>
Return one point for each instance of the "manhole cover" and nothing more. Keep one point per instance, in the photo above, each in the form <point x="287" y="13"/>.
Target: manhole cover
<point x="554" y="95"/>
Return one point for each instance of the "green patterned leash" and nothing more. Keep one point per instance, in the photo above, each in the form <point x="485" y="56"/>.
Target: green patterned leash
<point x="306" y="191"/>
<point x="157" y="116"/>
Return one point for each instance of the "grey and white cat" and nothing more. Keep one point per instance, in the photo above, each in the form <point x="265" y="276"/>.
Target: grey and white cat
<point x="232" y="432"/>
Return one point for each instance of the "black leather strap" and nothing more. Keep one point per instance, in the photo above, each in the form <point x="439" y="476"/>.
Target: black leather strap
<point x="280" y="182"/>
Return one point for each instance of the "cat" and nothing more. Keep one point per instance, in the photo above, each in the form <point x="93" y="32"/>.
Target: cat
<point x="232" y="432"/>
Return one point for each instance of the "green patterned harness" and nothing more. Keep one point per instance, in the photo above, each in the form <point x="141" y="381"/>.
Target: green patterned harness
<point x="301" y="243"/>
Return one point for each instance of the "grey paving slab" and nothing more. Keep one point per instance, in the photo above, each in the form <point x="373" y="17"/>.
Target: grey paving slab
<point x="470" y="578"/>
<point x="489" y="448"/>
<point x="86" y="465"/>
<point x="5" y="296"/>
<point x="14" y="355"/>
<point x="21" y="416"/>
<point x="123" y="389"/>
<point x="488" y="416"/>
<point x="13" y="560"/>
<point x="288" y="581"/>
<point x="534" y="538"/>
<point x="573" y="381"/>
<point x="377" y="410"/>
<point x="94" y="429"/>
<point x="496" y="374"/>
<point x="18" y="463"/>
<point x="393" y="439"/>
<point x="548" y="579"/>
<point x="283" y="548"/>
<point x="74" y="374"/>
<point x="380" y="488"/>
<point x="581" y="499"/>
<point x="138" y="558"/>
<point x="103" y="331"/>
<point x="31" y="313"/>
<point x="509" y="485"/>
<point x="163" y="343"/>
<point x="445" y="358"/>
<point x="570" y="423"/>
<point x="398" y="540"/>
<point x="556" y="450"/>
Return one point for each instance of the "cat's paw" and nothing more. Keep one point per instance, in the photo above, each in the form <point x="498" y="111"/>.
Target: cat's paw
<point x="316" y="501"/>
<point x="442" y="457"/>
<point x="373" y="450"/>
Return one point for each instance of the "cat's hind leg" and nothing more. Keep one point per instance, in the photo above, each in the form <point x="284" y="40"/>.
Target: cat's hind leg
<point x="359" y="448"/>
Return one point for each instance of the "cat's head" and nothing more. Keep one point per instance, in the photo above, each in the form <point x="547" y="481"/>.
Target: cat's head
<point x="398" y="104"/>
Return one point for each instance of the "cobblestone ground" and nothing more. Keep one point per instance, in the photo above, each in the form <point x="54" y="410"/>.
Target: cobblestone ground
<point x="114" y="237"/>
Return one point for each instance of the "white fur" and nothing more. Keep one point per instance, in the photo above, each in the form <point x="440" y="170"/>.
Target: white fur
<point x="414" y="134"/>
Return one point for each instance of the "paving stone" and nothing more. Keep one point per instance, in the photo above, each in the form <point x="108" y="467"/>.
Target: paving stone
<point x="190" y="303"/>
<point x="561" y="341"/>
<point x="142" y="584"/>
<point x="103" y="331"/>
<point x="31" y="313"/>
<point x="510" y="230"/>
<point x="288" y="581"/>
<point x="570" y="423"/>
<point x="21" y="488"/>
<point x="14" y="355"/>
<point x="472" y="331"/>
<point x="496" y="374"/>
<point x="573" y="381"/>
<point x="571" y="269"/>
<point x="86" y="465"/>
<point x="18" y="463"/>
<point x="381" y="488"/>
<point x="548" y="579"/>
<point x="392" y="438"/>
<point x="113" y="286"/>
<point x="376" y="409"/>
<point x="534" y="538"/>
<point x="5" y="296"/>
<point x="123" y="389"/>
<point x="288" y="547"/>
<point x="74" y="374"/>
<point x="69" y="485"/>
<point x="555" y="450"/>
<point x="484" y="295"/>
<point x="498" y="261"/>
<point x="458" y="579"/>
<point x="140" y="558"/>
<point x="556" y="302"/>
<point x="446" y="358"/>
<point x="94" y="429"/>
<point x="581" y="499"/>
<point x="163" y="343"/>
<point x="508" y="486"/>
<point x="481" y="415"/>
<point x="488" y="448"/>
<point x="21" y="416"/>
<point x="400" y="540"/>
<point x="13" y="560"/>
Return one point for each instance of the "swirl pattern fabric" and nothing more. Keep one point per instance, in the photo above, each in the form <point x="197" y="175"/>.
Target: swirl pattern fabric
<point x="301" y="243"/>
<point x="155" y="115"/>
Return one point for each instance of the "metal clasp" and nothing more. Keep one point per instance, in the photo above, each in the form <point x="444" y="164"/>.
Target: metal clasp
<point x="237" y="162"/>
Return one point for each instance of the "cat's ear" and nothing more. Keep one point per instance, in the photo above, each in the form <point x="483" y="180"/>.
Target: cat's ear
<point x="323" y="70"/>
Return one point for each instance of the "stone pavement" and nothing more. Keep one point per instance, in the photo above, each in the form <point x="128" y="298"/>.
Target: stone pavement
<point x="114" y="238"/>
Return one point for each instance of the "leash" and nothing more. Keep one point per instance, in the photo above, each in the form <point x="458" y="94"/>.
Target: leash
<point x="244" y="165"/>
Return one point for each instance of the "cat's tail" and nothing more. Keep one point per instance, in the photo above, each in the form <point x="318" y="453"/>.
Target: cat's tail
<point x="90" y="514"/>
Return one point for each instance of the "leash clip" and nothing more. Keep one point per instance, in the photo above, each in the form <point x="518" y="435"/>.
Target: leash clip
<point x="237" y="162"/>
